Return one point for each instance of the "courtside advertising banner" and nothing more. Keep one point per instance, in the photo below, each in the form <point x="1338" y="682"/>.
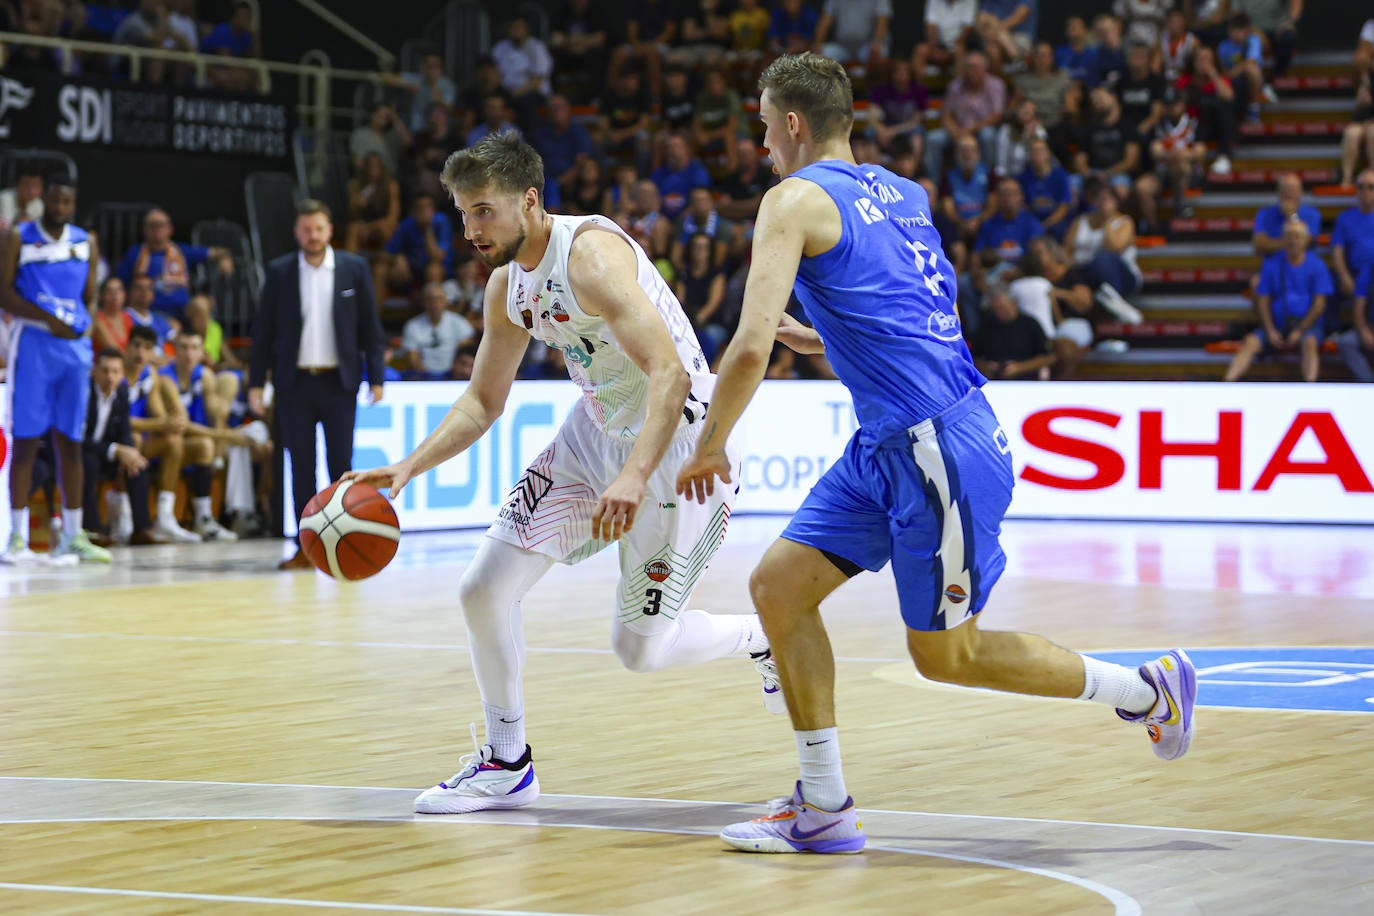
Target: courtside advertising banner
<point x="1132" y="450"/>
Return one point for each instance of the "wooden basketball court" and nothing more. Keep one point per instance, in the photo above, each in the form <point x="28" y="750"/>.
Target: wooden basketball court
<point x="192" y="731"/>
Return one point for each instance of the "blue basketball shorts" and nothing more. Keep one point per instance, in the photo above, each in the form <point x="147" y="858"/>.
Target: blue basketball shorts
<point x="50" y="382"/>
<point x="931" y="499"/>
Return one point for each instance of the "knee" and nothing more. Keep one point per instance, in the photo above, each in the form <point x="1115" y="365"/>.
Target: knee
<point x="949" y="661"/>
<point x="477" y="597"/>
<point x="636" y="653"/>
<point x="765" y="588"/>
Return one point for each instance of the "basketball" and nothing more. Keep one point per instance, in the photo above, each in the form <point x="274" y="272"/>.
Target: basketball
<point x="349" y="530"/>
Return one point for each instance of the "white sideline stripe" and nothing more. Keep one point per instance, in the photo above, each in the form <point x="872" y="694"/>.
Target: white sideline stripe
<point x="273" y="901"/>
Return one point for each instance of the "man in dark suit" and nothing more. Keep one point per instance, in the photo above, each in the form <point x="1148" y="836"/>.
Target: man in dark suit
<point x="317" y="321"/>
<point x="108" y="449"/>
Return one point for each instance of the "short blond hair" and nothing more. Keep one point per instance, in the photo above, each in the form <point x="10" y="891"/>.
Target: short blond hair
<point x="815" y="87"/>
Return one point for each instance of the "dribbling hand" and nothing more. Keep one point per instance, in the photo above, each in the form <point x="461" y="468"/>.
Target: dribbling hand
<point x="697" y="478"/>
<point x="616" y="509"/>
<point x="391" y="478"/>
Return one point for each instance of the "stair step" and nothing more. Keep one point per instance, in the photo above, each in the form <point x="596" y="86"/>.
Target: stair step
<point x="1293" y="83"/>
<point x="1212" y="330"/>
<point x="1294" y="128"/>
<point x="1318" y="153"/>
<point x="1215" y="301"/>
<point x="1330" y="57"/>
<point x="1209" y="276"/>
<point x="1248" y="174"/>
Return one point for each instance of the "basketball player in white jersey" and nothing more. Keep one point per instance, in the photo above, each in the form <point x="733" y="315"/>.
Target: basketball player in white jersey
<point x="582" y="285"/>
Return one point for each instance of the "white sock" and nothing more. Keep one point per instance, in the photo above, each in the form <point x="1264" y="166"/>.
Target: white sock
<point x="821" y="778"/>
<point x="71" y="521"/>
<point x="505" y="732"/>
<point x="1116" y="686"/>
<point x="19" y="524"/>
<point x="202" y="507"/>
<point x="166" y="507"/>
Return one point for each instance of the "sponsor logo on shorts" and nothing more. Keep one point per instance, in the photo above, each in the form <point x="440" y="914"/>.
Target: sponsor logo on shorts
<point x="956" y="594"/>
<point x="528" y="317"/>
<point x="658" y="570"/>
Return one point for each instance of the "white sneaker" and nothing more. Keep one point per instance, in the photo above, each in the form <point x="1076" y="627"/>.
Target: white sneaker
<point x="773" y="700"/>
<point x="1269" y="94"/>
<point x="170" y="531"/>
<point x="482" y="783"/>
<point x="211" y="530"/>
<point x="17" y="552"/>
<point x="1222" y="165"/>
<point x="1112" y="301"/>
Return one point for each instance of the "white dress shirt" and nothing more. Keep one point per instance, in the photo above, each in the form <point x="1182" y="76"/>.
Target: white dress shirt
<point x="104" y="406"/>
<point x="319" y="347"/>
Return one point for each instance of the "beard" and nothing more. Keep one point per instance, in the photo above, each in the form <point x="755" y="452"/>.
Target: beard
<point x="500" y="257"/>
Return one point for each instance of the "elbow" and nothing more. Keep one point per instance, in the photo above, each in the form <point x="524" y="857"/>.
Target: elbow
<point x="676" y="382"/>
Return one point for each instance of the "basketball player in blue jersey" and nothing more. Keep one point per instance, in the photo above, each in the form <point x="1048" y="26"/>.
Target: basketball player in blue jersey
<point x="924" y="483"/>
<point x="47" y="282"/>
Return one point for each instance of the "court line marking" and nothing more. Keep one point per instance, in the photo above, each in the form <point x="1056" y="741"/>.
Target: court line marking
<point x="671" y="801"/>
<point x="272" y="901"/>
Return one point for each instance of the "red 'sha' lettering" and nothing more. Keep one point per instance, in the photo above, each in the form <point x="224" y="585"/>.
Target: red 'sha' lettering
<point x="1108" y="465"/>
<point x="1226" y="449"/>
<point x="1340" y="462"/>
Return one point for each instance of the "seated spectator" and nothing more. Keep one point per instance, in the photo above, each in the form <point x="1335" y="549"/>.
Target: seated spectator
<point x="100" y="20"/>
<point x="1177" y="156"/>
<point x="430" y="87"/>
<point x="1015" y="137"/>
<point x="431" y="339"/>
<point x="110" y="330"/>
<point x="1109" y="150"/>
<point x="384" y="134"/>
<point x="1077" y="57"/>
<point x="1142" y="21"/>
<point x="1270" y="220"/>
<point x="585" y="191"/>
<point x="618" y="200"/>
<point x="967" y="188"/>
<point x="701" y="219"/>
<point x="525" y="65"/>
<point x="717" y="121"/>
<point x="496" y="119"/>
<point x="421" y="247"/>
<point x="1059" y="297"/>
<point x="900" y="104"/>
<point x="1017" y="19"/>
<point x="169" y="263"/>
<point x="1360" y="131"/>
<point x="108" y="455"/>
<point x="484" y="83"/>
<point x="1352" y="239"/>
<point x="624" y="123"/>
<point x="1210" y="100"/>
<point x="647" y="222"/>
<point x="1140" y="93"/>
<point x="140" y="312"/>
<point x="742" y="191"/>
<point x="1241" y="58"/>
<point x="1010" y="344"/>
<point x="1173" y="54"/>
<point x="973" y="107"/>
<point x="1109" y="63"/>
<point x="793" y="27"/>
<point x="578" y="45"/>
<point x="947" y="26"/>
<point x="704" y="31"/>
<point x="235" y="38"/>
<point x="431" y="147"/>
<point x="158" y="424"/>
<point x="149" y="27"/>
<point x="676" y="110"/>
<point x="1294" y="287"/>
<point x="700" y="287"/>
<point x="855" y="30"/>
<point x="206" y="411"/>
<point x="1103" y="241"/>
<point x="749" y="24"/>
<point x="463" y="361"/>
<point x="955" y="249"/>
<point x="1004" y="236"/>
<point x="216" y="353"/>
<point x="1278" y="22"/>
<point x="374" y="208"/>
<point x="24" y="201"/>
<point x="650" y="32"/>
<point x="464" y="293"/>
<point x="1045" y="85"/>
<point x="562" y="142"/>
<point x="1356" y="344"/>
<point x="678" y="175"/>
<point x="1047" y="189"/>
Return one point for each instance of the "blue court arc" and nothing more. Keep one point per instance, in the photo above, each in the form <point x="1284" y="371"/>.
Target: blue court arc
<point x="1330" y="679"/>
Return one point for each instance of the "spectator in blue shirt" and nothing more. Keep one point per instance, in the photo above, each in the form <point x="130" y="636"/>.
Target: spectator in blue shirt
<point x="1270" y="220"/>
<point x="1007" y="232"/>
<point x="1109" y="63"/>
<point x="168" y="263"/>
<point x="967" y="187"/>
<point x="1076" y="57"/>
<point x="561" y="141"/>
<point x="1047" y="189"/>
<point x="793" y="28"/>
<point x="235" y="38"/>
<point x="678" y="175"/>
<point x="1293" y="289"/>
<point x="422" y="247"/>
<point x="1240" y="57"/>
<point x="1357" y="343"/>
<point x="1352" y="239"/>
<point x="430" y="86"/>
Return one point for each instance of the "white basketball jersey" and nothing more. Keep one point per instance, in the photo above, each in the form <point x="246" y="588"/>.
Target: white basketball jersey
<point x="613" y="387"/>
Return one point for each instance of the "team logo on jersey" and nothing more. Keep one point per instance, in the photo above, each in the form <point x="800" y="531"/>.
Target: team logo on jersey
<point x="558" y="311"/>
<point x="528" y="317"/>
<point x="658" y="570"/>
<point x="943" y="326"/>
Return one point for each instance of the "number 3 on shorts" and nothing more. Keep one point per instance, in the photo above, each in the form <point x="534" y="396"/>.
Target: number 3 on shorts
<point x="655" y="596"/>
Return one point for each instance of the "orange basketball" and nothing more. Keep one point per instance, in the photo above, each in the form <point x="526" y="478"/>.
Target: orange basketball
<point x="349" y="530"/>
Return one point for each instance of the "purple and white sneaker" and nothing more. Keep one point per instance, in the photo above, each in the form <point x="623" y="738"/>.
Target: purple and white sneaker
<point x="792" y="825"/>
<point x="773" y="700"/>
<point x="484" y="782"/>
<point x="1170" y="722"/>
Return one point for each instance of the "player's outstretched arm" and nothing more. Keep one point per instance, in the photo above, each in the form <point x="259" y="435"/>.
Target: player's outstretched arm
<point x="780" y="239"/>
<point x="498" y="358"/>
<point x="604" y="276"/>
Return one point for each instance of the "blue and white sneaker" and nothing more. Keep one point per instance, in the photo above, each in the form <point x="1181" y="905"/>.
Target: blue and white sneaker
<point x="1170" y="722"/>
<point x="484" y="782"/>
<point x="792" y="825"/>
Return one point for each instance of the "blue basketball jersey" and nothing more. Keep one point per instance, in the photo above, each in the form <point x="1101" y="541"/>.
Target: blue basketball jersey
<point x="193" y="398"/>
<point x="883" y="300"/>
<point x="52" y="273"/>
<point x="139" y="392"/>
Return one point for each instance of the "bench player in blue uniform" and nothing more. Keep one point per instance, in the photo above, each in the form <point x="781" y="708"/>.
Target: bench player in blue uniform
<point x="47" y="282"/>
<point x="924" y="483"/>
